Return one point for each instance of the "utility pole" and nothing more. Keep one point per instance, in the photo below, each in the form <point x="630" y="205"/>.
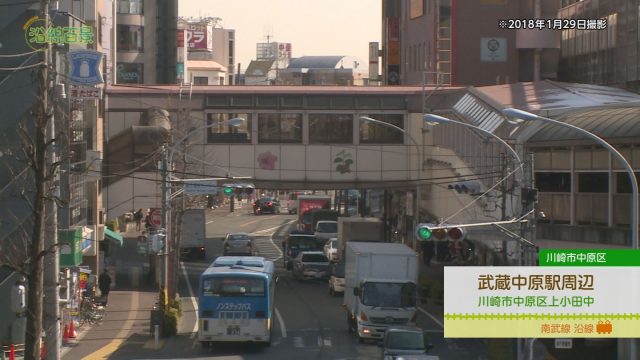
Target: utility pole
<point x="51" y="309"/>
<point x="165" y="214"/>
<point x="503" y="205"/>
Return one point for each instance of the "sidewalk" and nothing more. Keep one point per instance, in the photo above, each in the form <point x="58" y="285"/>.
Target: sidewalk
<point x="127" y="317"/>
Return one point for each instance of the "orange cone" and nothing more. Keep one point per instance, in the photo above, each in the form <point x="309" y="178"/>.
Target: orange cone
<point x="43" y="351"/>
<point x="65" y="334"/>
<point x="72" y="331"/>
<point x="12" y="353"/>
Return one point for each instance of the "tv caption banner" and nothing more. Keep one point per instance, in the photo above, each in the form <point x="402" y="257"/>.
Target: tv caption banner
<point x="541" y="302"/>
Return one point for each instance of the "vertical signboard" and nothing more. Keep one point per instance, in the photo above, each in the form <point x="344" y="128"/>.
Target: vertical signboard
<point x="393" y="51"/>
<point x="373" y="60"/>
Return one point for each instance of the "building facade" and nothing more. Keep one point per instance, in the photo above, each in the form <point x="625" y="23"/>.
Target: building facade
<point x="463" y="42"/>
<point x="146" y="42"/>
<point x="322" y="70"/>
<point x="606" y="56"/>
<point x="206" y="40"/>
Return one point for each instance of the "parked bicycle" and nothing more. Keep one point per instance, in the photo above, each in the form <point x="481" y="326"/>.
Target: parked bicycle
<point x="90" y="311"/>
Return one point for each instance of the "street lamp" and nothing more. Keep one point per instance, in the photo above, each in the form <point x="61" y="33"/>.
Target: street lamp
<point x="418" y="168"/>
<point x="166" y="189"/>
<point x="527" y="116"/>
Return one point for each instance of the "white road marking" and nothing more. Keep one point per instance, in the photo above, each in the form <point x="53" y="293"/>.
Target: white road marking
<point x="431" y="316"/>
<point x="298" y="342"/>
<point x="264" y="231"/>
<point x="327" y="342"/>
<point x="319" y="341"/>
<point x="281" y="322"/>
<point x="193" y="299"/>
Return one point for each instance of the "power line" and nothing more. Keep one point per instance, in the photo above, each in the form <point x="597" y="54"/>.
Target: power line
<point x="20" y="3"/>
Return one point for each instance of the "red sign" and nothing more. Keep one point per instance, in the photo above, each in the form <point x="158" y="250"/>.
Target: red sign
<point x="156" y="216"/>
<point x="197" y="39"/>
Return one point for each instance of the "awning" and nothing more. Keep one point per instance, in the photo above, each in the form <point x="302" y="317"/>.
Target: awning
<point x="113" y="235"/>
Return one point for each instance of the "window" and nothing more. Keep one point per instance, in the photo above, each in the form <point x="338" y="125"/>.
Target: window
<point x="130" y="38"/>
<point x="553" y="181"/>
<point x="233" y="287"/>
<point x="130" y="6"/>
<point x="623" y="185"/>
<point x="200" y="80"/>
<point x="372" y="133"/>
<point x="129" y="73"/>
<point x="274" y="128"/>
<point x="593" y="182"/>
<point x="225" y="133"/>
<point x="330" y="128"/>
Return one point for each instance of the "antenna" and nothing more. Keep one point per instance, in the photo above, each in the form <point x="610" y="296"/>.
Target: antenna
<point x="268" y="32"/>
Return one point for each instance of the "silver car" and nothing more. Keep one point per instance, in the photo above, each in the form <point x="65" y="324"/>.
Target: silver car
<point x="326" y="229"/>
<point x="311" y="265"/>
<point x="238" y="244"/>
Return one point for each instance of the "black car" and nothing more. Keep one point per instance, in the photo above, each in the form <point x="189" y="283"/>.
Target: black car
<point x="406" y="342"/>
<point x="266" y="205"/>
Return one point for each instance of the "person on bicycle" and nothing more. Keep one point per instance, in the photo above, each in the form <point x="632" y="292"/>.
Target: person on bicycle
<point x="104" y="282"/>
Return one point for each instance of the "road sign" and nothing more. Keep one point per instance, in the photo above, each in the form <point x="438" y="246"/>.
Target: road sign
<point x="204" y="187"/>
<point x="156" y="216"/>
<point x="564" y="343"/>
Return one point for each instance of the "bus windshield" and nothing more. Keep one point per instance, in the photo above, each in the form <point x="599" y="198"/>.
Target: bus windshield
<point x="233" y="287"/>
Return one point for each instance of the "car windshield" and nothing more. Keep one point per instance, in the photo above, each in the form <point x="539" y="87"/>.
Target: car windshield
<point x="314" y="258"/>
<point x="389" y="294"/>
<point x="404" y="340"/>
<point x="238" y="237"/>
<point x="328" y="227"/>
<point x="303" y="243"/>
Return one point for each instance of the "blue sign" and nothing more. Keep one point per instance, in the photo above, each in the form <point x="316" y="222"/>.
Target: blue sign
<point x="200" y="187"/>
<point x="85" y="67"/>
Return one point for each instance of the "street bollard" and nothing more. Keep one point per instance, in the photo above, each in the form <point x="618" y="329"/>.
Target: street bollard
<point x="156" y="335"/>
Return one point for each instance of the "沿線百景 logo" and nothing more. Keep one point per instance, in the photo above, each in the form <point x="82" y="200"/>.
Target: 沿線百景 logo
<point x="38" y="35"/>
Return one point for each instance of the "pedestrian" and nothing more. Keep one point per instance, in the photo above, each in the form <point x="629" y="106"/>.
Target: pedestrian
<point x="147" y="222"/>
<point x="104" y="282"/>
<point x="427" y="252"/>
<point x="138" y="218"/>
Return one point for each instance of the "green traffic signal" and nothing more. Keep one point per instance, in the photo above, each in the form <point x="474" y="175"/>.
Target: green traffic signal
<point x="424" y="233"/>
<point x="228" y="191"/>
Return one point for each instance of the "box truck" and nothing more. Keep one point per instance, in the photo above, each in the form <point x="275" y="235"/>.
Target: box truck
<point x="358" y="229"/>
<point x="380" y="287"/>
<point x="307" y="203"/>
<point x="192" y="234"/>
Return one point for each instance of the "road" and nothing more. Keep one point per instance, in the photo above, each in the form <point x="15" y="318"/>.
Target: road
<point x="309" y="324"/>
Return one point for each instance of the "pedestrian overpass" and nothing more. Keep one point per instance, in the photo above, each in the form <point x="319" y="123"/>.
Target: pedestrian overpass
<point x="292" y="137"/>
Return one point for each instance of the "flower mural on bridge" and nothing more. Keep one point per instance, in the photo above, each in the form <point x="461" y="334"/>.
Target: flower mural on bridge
<point x="343" y="162"/>
<point x="267" y="160"/>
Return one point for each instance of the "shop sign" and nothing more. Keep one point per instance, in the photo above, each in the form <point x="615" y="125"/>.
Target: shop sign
<point x="38" y="35"/>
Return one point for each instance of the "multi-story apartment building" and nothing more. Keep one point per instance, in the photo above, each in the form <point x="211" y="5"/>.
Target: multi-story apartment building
<point x="465" y="43"/>
<point x="607" y="54"/>
<point x="146" y="41"/>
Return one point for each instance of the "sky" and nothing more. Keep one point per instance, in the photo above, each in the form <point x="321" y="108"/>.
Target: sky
<point x="313" y="27"/>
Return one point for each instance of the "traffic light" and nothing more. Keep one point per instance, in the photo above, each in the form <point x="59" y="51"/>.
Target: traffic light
<point x="238" y="190"/>
<point x="228" y="190"/>
<point x="432" y="232"/>
<point x="249" y="190"/>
